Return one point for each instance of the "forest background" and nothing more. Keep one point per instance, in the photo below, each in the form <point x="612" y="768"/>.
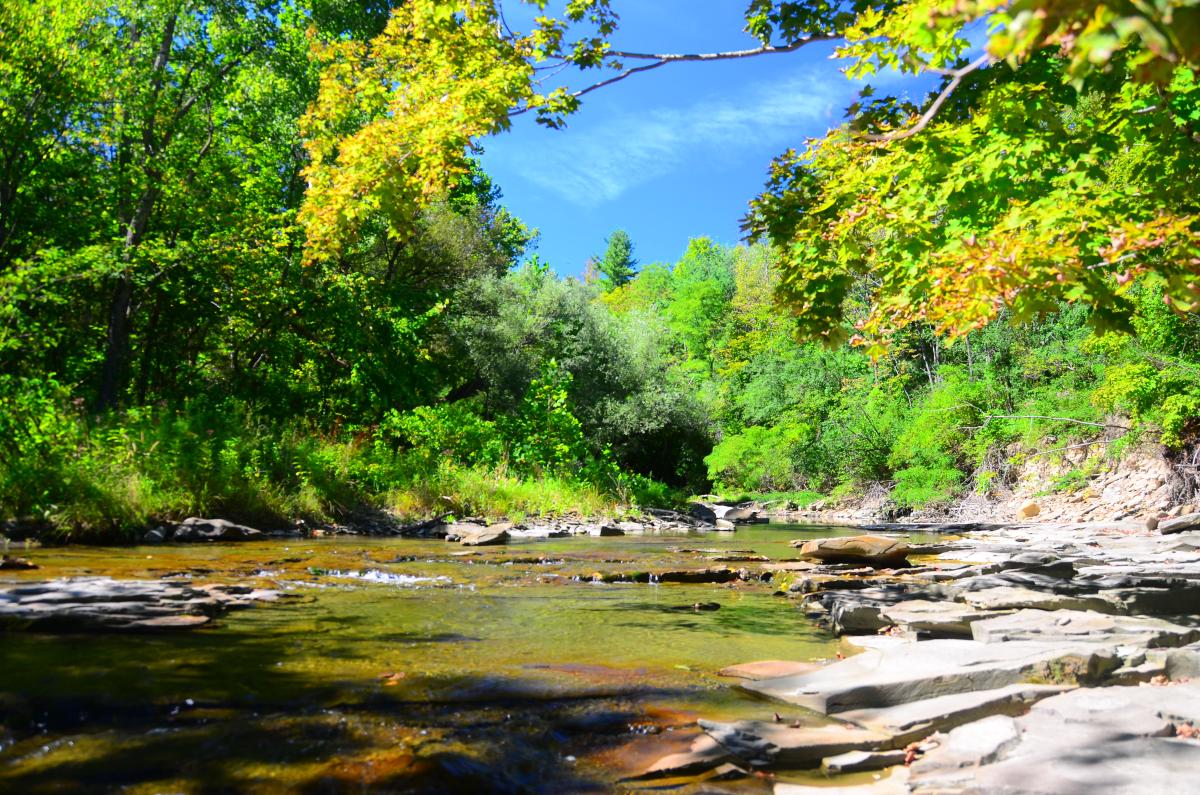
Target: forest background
<point x="225" y="291"/>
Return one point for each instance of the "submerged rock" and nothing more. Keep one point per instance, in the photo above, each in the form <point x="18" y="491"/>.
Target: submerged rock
<point x="104" y="604"/>
<point x="8" y="562"/>
<point x="768" y="669"/>
<point x="763" y="744"/>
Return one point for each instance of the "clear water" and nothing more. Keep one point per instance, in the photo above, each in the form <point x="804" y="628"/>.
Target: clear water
<point x="399" y="667"/>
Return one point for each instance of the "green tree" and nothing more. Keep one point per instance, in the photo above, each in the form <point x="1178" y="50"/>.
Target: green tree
<point x="617" y="267"/>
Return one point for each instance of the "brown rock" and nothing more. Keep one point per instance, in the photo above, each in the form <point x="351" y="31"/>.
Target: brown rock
<point x="485" y="537"/>
<point x="18" y="564"/>
<point x="1152" y="523"/>
<point x="1028" y="510"/>
<point x="855" y="549"/>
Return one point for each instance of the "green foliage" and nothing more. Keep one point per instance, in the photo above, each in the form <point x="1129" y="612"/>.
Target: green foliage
<point x="922" y="486"/>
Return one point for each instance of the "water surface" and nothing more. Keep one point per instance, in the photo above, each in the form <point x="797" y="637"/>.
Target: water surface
<point x="400" y="666"/>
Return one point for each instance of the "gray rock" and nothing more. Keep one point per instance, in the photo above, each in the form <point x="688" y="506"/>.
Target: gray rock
<point x="103" y="604"/>
<point x="486" y="537"/>
<point x="1082" y="627"/>
<point x="724" y="524"/>
<point x="907" y="672"/>
<point x="197" y="529"/>
<point x="1017" y="598"/>
<point x="1111" y="740"/>
<point x="942" y="619"/>
<point x="155" y="536"/>
<point x="971" y="745"/>
<point x="918" y="719"/>
<point x="1179" y="524"/>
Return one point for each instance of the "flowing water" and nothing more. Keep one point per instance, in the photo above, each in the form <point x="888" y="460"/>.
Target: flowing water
<point x="400" y="666"/>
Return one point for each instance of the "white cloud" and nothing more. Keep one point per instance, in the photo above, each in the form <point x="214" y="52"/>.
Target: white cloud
<point x="598" y="161"/>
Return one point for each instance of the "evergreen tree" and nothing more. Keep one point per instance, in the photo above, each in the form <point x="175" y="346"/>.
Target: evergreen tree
<point x="617" y="266"/>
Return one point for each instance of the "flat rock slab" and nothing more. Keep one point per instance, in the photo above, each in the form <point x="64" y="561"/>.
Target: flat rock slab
<point x="763" y="744"/>
<point x="704" y="754"/>
<point x="918" y="719"/>
<point x="873" y="550"/>
<point x="769" y="669"/>
<point x="1179" y="524"/>
<point x="909" y="672"/>
<point x="859" y="761"/>
<point x="894" y="784"/>
<point x="1112" y="740"/>
<point x="83" y="604"/>
<point x="1087" y="627"/>
<point x="935" y="618"/>
<point x="1017" y="598"/>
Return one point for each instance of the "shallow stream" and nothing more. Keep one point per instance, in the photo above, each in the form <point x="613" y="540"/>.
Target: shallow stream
<point x="401" y="665"/>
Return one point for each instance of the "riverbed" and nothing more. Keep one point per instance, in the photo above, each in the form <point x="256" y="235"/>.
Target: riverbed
<point x="402" y="665"/>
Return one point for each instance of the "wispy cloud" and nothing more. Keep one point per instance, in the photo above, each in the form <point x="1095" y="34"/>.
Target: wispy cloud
<point x="598" y="161"/>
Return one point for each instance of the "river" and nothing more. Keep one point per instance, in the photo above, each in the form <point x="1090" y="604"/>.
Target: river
<point x="401" y="665"/>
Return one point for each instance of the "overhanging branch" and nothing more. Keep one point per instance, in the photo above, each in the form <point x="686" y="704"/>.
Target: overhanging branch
<point x="956" y="77"/>
<point x="662" y="59"/>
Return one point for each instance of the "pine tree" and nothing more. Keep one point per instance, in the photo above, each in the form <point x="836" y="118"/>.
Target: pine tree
<point x="617" y="266"/>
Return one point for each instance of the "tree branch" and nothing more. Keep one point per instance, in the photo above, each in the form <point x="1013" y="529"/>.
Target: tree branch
<point x="926" y="117"/>
<point x="662" y="59"/>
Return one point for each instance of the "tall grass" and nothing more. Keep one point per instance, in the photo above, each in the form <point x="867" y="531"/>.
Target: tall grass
<point x="110" y="480"/>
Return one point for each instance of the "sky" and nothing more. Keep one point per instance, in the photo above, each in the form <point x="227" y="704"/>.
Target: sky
<point x="671" y="154"/>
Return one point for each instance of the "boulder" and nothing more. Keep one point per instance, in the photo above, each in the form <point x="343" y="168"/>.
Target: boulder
<point x="196" y="529"/>
<point x="703" y="511"/>
<point x="606" y="530"/>
<point x="871" y="550"/>
<point x="1028" y="510"/>
<point x="10" y="563"/>
<point x="724" y="524"/>
<point x="486" y="537"/>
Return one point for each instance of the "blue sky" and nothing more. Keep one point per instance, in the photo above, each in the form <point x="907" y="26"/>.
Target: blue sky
<point x="671" y="154"/>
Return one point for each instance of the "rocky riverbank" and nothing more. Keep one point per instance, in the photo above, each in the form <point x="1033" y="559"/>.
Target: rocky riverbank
<point x="1027" y="658"/>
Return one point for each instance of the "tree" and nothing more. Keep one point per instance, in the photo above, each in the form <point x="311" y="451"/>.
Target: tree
<point x="943" y="246"/>
<point x="617" y="266"/>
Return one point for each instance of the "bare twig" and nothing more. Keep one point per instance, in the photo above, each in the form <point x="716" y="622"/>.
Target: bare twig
<point x="662" y="59"/>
